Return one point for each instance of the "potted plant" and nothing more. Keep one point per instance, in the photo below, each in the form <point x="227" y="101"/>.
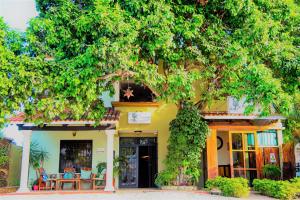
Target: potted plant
<point x="271" y="171"/>
<point x="116" y="168"/>
<point x="36" y="160"/>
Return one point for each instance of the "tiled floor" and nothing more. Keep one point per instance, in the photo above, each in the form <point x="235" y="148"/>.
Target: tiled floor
<point x="123" y="195"/>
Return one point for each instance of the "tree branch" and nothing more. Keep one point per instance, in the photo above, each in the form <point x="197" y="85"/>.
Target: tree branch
<point x="119" y="73"/>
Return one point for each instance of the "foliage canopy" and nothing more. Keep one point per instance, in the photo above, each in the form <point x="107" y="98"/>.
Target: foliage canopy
<point x="241" y="48"/>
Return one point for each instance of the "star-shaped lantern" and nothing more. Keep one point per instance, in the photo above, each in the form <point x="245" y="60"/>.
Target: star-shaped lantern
<point x="128" y="93"/>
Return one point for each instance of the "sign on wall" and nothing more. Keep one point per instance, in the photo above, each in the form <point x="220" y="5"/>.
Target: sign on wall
<point x="235" y="105"/>
<point x="238" y="106"/>
<point x="139" y="117"/>
<point x="272" y="158"/>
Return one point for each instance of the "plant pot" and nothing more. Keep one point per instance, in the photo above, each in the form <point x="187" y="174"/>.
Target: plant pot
<point x="35" y="187"/>
<point x="175" y="187"/>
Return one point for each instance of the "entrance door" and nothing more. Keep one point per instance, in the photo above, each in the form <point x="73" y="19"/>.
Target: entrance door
<point x="243" y="148"/>
<point x="129" y="167"/>
<point x="139" y="162"/>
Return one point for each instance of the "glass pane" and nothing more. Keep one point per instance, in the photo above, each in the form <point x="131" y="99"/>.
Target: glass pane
<point x="128" y="141"/>
<point x="128" y="174"/>
<point x="250" y="159"/>
<point x="238" y="159"/>
<point x="251" y="175"/>
<point x="239" y="173"/>
<point x="147" y="141"/>
<point x="249" y="141"/>
<point x="237" y="142"/>
<point x="75" y="154"/>
<point x="267" y="138"/>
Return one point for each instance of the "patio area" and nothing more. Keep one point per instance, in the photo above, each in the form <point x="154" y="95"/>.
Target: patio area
<point x="124" y="194"/>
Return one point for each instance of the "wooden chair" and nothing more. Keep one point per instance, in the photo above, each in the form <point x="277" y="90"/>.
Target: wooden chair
<point x="42" y="184"/>
<point x="100" y="180"/>
<point x="90" y="180"/>
<point x="75" y="180"/>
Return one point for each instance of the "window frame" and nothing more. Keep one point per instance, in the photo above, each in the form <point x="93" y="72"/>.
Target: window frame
<point x="75" y="142"/>
<point x="266" y="132"/>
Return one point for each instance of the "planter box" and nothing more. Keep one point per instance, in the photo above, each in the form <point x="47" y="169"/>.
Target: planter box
<point x="189" y="188"/>
<point x="8" y="189"/>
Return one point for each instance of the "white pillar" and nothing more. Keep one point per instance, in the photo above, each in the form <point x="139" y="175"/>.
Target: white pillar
<point x="109" y="157"/>
<point x="25" y="161"/>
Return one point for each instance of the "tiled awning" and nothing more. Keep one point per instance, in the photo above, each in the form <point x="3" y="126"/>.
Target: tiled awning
<point x="111" y="116"/>
<point x="232" y="116"/>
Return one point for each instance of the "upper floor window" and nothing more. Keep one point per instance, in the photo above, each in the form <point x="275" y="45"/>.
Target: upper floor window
<point x="133" y="92"/>
<point x="267" y="138"/>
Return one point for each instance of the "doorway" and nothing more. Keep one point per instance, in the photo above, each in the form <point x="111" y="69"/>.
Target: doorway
<point x="138" y="162"/>
<point x="223" y="154"/>
<point x="243" y="150"/>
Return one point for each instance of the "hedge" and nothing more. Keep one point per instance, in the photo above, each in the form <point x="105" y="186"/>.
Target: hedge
<point x="278" y="189"/>
<point x="234" y="187"/>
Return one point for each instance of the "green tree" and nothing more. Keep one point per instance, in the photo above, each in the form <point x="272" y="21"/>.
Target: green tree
<point x="241" y="48"/>
<point x="37" y="156"/>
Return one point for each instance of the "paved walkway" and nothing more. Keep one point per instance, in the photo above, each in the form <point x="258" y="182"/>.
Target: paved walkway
<point x="128" y="195"/>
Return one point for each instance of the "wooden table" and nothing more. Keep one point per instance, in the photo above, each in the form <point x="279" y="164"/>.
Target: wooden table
<point x="74" y="181"/>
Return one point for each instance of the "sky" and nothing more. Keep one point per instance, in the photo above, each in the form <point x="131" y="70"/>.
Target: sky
<point x="16" y="14"/>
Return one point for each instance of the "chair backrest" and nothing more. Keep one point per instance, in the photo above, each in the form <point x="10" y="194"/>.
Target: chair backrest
<point x="86" y="168"/>
<point x="69" y="169"/>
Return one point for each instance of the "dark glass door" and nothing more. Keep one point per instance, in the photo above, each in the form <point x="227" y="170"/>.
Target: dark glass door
<point x="147" y="166"/>
<point x="139" y="162"/>
<point x="129" y="167"/>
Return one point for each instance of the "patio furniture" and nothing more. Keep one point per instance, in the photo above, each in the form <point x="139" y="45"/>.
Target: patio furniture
<point x="86" y="175"/>
<point x="69" y="176"/>
<point x="99" y="182"/>
<point x="45" y="178"/>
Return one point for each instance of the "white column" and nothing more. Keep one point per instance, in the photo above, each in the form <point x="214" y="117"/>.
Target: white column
<point x="25" y="161"/>
<point x="109" y="157"/>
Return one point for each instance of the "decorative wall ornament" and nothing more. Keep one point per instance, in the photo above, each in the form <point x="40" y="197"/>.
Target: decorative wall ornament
<point x="128" y="93"/>
<point x="219" y="142"/>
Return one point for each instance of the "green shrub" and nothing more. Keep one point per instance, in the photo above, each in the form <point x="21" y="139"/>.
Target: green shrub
<point x="164" y="177"/>
<point x="271" y="171"/>
<point x="276" y="189"/>
<point x="234" y="187"/>
<point x="3" y="155"/>
<point x="296" y="184"/>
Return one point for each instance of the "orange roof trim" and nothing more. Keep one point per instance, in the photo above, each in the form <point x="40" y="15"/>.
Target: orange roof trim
<point x="111" y="115"/>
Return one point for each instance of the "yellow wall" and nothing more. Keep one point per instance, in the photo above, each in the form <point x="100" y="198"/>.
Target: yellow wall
<point x="161" y="117"/>
<point x="50" y="142"/>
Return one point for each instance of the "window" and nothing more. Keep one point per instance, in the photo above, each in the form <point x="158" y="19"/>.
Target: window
<point x="267" y="138"/>
<point x="76" y="154"/>
<point x="139" y="93"/>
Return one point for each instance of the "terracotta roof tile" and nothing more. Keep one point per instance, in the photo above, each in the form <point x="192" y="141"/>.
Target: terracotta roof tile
<point x="110" y="115"/>
<point x="224" y="115"/>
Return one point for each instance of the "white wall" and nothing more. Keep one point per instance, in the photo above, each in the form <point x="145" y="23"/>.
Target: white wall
<point x="223" y="153"/>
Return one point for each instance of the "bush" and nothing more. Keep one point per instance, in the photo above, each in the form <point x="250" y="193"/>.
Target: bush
<point x="296" y="184"/>
<point x="271" y="171"/>
<point x="164" y="177"/>
<point x="234" y="187"/>
<point x="276" y="189"/>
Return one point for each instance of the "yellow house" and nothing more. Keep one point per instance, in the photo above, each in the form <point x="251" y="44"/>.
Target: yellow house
<point x="136" y="129"/>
